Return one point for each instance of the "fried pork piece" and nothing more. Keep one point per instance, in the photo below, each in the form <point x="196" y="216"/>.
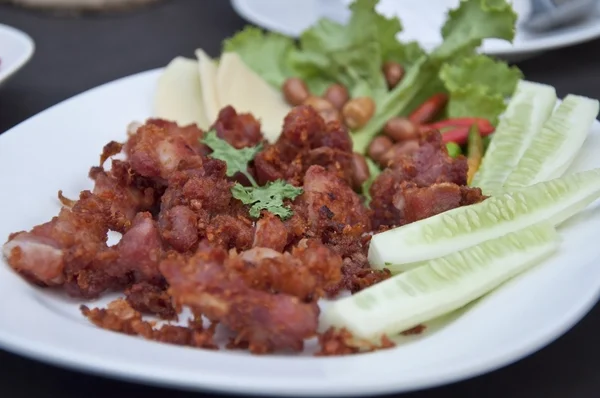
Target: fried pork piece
<point x="268" y="322"/>
<point x="238" y="129"/>
<point x="151" y="299"/>
<point x="430" y="164"/>
<point x="198" y="204"/>
<point x="126" y="192"/>
<point x="357" y="273"/>
<point x="341" y="342"/>
<point x="155" y="153"/>
<point x="305" y="140"/>
<point x="417" y="203"/>
<point x="73" y="238"/>
<point x="191" y="134"/>
<point x="134" y="259"/>
<point x="270" y="232"/>
<point x="122" y="318"/>
<point x="306" y="272"/>
<point x="71" y="250"/>
<point x="330" y="203"/>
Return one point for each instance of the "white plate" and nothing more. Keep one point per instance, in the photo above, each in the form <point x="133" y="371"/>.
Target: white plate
<point x="422" y="21"/>
<point x="16" y="48"/>
<point x="66" y="140"/>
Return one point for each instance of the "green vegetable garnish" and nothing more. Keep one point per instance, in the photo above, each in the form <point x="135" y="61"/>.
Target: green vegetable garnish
<point x="374" y="171"/>
<point x="454" y="149"/>
<point x="237" y="159"/>
<point x="353" y="55"/>
<point x="478" y="86"/>
<point x="463" y="32"/>
<point x="269" y="197"/>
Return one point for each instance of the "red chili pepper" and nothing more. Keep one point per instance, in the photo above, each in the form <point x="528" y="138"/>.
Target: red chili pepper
<point x="429" y="109"/>
<point x="460" y="135"/>
<point x="484" y="125"/>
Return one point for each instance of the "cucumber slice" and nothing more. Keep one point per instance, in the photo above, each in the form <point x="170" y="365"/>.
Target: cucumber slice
<point x="553" y="201"/>
<point x="554" y="148"/>
<point x="530" y="106"/>
<point x="441" y="285"/>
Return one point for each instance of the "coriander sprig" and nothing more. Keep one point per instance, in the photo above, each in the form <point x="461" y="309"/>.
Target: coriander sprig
<point x="269" y="197"/>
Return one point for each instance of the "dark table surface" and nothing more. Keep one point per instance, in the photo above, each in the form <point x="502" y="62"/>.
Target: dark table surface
<point x="76" y="54"/>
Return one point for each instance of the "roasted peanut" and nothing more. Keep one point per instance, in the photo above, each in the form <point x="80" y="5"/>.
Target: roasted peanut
<point x="398" y="151"/>
<point x="360" y="170"/>
<point x="317" y="103"/>
<point x="358" y="111"/>
<point x="401" y="129"/>
<point x="393" y="72"/>
<point x="379" y="146"/>
<point x="337" y="95"/>
<point x="324" y="108"/>
<point x="295" y="91"/>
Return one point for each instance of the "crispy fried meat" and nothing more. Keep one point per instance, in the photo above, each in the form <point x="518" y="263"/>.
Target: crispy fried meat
<point x="150" y="299"/>
<point x="73" y="238"/>
<point x="306" y="272"/>
<point x="122" y="318"/>
<point x="187" y="242"/>
<point x="266" y="321"/>
<point x="306" y="140"/>
<point x="239" y="129"/>
<point x="420" y="184"/>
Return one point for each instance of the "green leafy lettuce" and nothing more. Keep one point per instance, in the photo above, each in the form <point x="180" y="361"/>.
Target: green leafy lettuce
<point x="353" y="54"/>
<point x="329" y="52"/>
<point x="478" y="86"/>
<point x="463" y="32"/>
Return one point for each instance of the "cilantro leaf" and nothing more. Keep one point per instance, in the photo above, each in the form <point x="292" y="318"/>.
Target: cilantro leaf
<point x="237" y="159"/>
<point x="269" y="197"/>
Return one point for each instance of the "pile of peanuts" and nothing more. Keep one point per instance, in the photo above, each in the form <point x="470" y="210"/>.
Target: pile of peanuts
<point x="399" y="137"/>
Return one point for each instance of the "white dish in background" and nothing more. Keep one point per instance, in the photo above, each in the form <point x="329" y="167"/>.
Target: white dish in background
<point x="422" y="21"/>
<point x="47" y="326"/>
<point x="16" y="48"/>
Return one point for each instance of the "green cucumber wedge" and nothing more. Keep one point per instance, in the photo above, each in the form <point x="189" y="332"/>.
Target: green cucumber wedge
<point x="530" y="106"/>
<point x="554" y="148"/>
<point x="440" y="286"/>
<point x="552" y="201"/>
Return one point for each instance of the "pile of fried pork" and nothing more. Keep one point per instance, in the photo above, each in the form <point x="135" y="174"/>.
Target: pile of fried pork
<point x="186" y="242"/>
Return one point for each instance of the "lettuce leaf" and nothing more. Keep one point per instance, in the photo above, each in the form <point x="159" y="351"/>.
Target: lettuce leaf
<point x="473" y="21"/>
<point x="480" y="70"/>
<point x="476" y="101"/>
<point x="478" y="86"/>
<point x="464" y="31"/>
<point x="353" y="54"/>
<point x="348" y="54"/>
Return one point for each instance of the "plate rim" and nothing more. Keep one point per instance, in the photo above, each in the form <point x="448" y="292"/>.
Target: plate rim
<point x="28" y="51"/>
<point x="244" y="9"/>
<point x="77" y="361"/>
